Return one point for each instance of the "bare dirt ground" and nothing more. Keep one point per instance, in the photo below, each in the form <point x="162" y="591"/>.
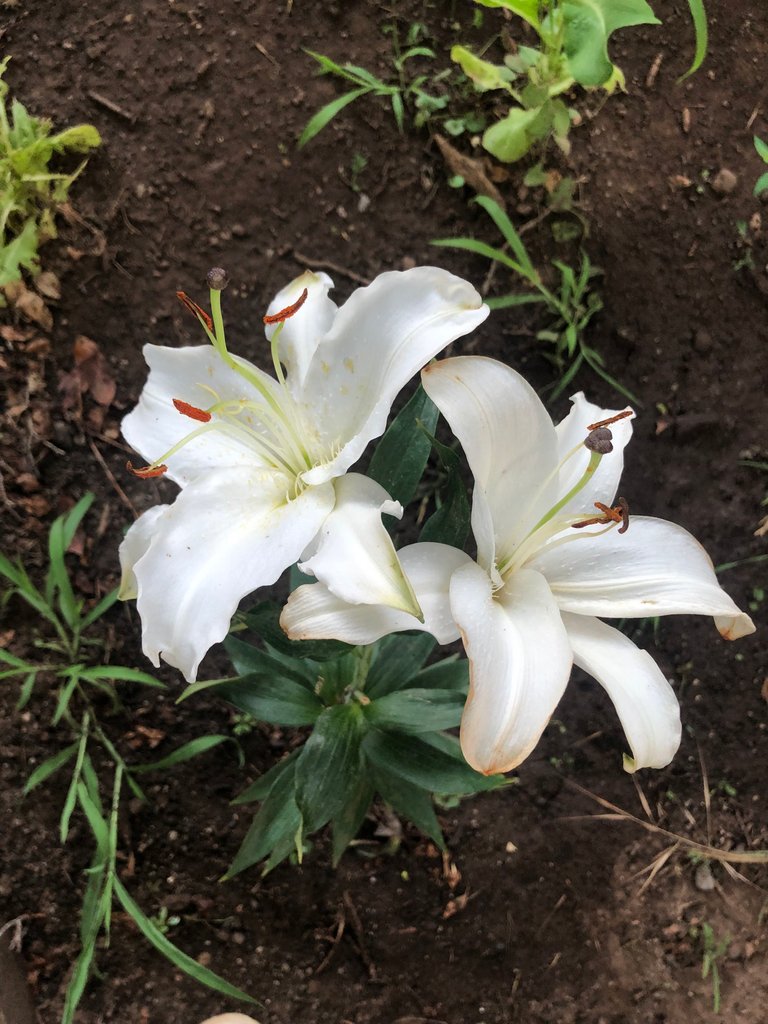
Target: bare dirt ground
<point x="545" y="915"/>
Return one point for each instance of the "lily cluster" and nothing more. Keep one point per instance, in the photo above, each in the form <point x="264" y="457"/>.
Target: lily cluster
<point x="266" y="482"/>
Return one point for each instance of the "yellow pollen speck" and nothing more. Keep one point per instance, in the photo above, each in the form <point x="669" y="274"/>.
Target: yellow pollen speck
<point x="325" y="367"/>
<point x="349" y="364"/>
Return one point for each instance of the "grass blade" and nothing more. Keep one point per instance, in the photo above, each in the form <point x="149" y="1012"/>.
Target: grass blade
<point x="327" y="113"/>
<point x="699" y="18"/>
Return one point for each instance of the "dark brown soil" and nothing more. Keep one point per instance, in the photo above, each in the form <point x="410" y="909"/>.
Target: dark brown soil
<point x="538" y="916"/>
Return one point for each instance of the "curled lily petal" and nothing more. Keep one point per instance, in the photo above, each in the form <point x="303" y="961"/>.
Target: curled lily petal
<point x="134" y="546"/>
<point x="301" y="334"/>
<point x="644" y="700"/>
<point x="380" y="338"/>
<point x="656" y="568"/>
<point x="510" y="444"/>
<point x="226" y="534"/>
<point x="353" y="554"/>
<point x="519" y="663"/>
<point x="312" y="612"/>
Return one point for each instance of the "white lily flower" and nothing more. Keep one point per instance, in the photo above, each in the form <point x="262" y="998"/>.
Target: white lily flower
<point x="262" y="470"/>
<point x="553" y="554"/>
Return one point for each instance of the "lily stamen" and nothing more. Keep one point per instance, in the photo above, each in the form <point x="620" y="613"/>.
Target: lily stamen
<point x="146" y="472"/>
<point x="288" y="312"/>
<point x="611" y="419"/>
<point x="191" y="410"/>
<point x="619" y="513"/>
<point x="196" y="310"/>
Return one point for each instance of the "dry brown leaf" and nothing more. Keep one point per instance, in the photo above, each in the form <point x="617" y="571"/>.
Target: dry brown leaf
<point x="764" y="690"/>
<point x="47" y="283"/>
<point x="470" y="169"/>
<point x="762" y="527"/>
<point x="32" y="306"/>
<point x="12" y="335"/>
<point x="90" y="375"/>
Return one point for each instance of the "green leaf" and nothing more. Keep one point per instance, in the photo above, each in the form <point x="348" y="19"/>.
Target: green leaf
<point x="79" y="139"/>
<point x="20" y="252"/>
<point x="99" y="609"/>
<point x="526" y="9"/>
<point x="761" y="147"/>
<point x="329" y="766"/>
<point x="259" y="789"/>
<point x="60" y="537"/>
<point x="278" y="817"/>
<point x="484" y="75"/>
<point x="26" y="690"/>
<point x="449" y="674"/>
<point x="121" y="673"/>
<point x="49" y="766"/>
<point x="508" y="230"/>
<point x="348" y="821"/>
<point x="185" y="752"/>
<point x="414" y="711"/>
<point x="419" y="761"/>
<point x="587" y="26"/>
<point x="761" y="185"/>
<point x="409" y="800"/>
<point x="449" y="523"/>
<point x="482" y="249"/>
<point x="264" y="618"/>
<point x="248" y="659"/>
<point x="701" y="30"/>
<point x="506" y="301"/>
<point x="164" y="945"/>
<point x="280" y="701"/>
<point x="71" y="798"/>
<point x="399" y="658"/>
<point x="401" y="455"/>
<point x="510" y="138"/>
<point x="327" y="113"/>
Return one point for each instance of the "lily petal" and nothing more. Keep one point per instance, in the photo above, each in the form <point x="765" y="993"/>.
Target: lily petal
<point x="656" y="568"/>
<point x="155" y="425"/>
<point x="644" y="700"/>
<point x="312" y="612"/>
<point x="353" y="555"/>
<point x="227" y="534"/>
<point x="571" y="433"/>
<point x="519" y="663"/>
<point x="380" y="338"/>
<point x="134" y="546"/>
<point x="301" y="333"/>
<point x="510" y="444"/>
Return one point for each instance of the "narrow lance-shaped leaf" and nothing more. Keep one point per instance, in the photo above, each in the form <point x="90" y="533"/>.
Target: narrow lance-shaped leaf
<point x="401" y="455"/>
<point x="329" y="766"/>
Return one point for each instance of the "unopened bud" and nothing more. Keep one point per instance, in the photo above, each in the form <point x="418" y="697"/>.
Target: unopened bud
<point x="599" y="440"/>
<point x="217" y="279"/>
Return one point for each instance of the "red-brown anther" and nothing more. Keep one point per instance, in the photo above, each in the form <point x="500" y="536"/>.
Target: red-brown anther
<point x="193" y="307"/>
<point x="192" y="411"/>
<point x="618" y="514"/>
<point x="288" y="312"/>
<point x="610" y="420"/>
<point x="147" y="472"/>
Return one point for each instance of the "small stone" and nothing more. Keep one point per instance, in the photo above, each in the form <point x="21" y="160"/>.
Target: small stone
<point x="704" y="880"/>
<point x="724" y="182"/>
<point x="702" y="340"/>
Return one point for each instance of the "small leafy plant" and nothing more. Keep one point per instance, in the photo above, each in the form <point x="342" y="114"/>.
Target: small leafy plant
<point x="712" y="952"/>
<point x="68" y="657"/>
<point x="572" y="304"/>
<point x="29" y="191"/>
<point x="573" y="50"/>
<point x="417" y="93"/>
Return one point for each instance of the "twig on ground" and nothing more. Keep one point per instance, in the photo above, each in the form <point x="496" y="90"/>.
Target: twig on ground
<point x="330" y="265"/>
<point x="111" y="477"/>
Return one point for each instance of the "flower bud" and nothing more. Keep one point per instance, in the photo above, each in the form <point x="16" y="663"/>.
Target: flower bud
<point x="599" y="440"/>
<point x="217" y="279"/>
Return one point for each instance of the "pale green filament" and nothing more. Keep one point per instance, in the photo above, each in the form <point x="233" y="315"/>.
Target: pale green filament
<point x="533" y="539"/>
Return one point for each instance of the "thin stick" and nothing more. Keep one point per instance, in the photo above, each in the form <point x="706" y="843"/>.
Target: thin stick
<point x="111" y="477"/>
<point x="710" y="852"/>
<point x="330" y="265"/>
<point x="115" y="108"/>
